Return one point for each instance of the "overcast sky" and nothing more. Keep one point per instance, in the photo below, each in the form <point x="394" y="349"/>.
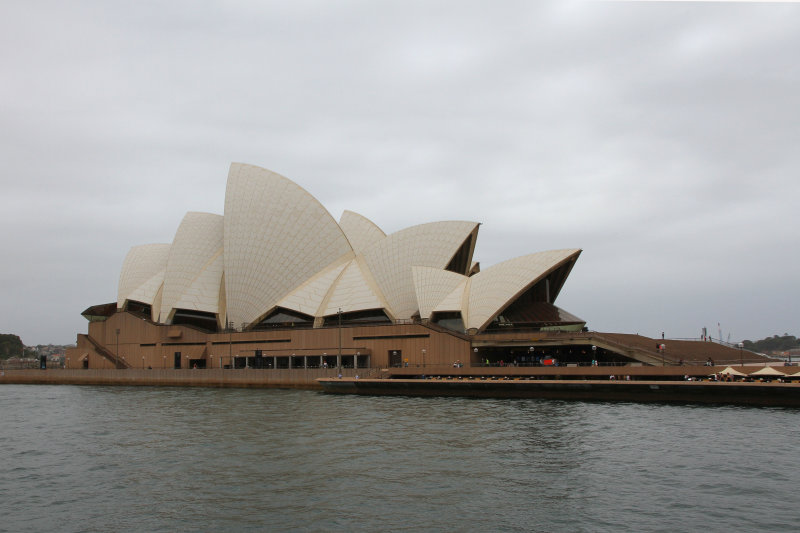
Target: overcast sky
<point x="662" y="138"/>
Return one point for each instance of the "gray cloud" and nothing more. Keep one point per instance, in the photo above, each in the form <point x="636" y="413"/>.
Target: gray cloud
<point x="659" y="137"/>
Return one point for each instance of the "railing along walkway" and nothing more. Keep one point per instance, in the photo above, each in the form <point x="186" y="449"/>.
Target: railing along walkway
<point x="102" y="350"/>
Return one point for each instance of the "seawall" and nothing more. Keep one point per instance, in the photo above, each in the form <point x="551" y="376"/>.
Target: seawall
<point x="638" y="390"/>
<point x="740" y="393"/>
<point x="242" y="378"/>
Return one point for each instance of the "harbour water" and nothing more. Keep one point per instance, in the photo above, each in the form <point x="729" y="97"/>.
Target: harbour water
<point x="194" y="459"/>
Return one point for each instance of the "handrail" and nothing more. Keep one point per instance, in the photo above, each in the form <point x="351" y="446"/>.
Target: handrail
<point x="649" y="352"/>
<point x="102" y="350"/>
<point x="441" y="329"/>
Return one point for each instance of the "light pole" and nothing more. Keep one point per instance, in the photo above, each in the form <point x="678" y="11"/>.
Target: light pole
<point x="142" y="362"/>
<point x="340" y="336"/>
<point x="594" y="355"/>
<point x="165" y="361"/>
<point x="230" y="343"/>
<point x="358" y="354"/>
<point x="476" y="354"/>
<point x="741" y="354"/>
<point x="212" y="361"/>
<point x="423" y="358"/>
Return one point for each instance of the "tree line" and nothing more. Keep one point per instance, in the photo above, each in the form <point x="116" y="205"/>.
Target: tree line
<point x="773" y="344"/>
<point x="10" y="346"/>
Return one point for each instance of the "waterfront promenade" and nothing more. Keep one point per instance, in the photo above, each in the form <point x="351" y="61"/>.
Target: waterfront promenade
<point x="617" y="383"/>
<point x="755" y="393"/>
<point x="240" y="378"/>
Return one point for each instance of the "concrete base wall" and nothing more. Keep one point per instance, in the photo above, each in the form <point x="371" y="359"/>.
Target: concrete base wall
<point x="761" y="394"/>
<point x="246" y="378"/>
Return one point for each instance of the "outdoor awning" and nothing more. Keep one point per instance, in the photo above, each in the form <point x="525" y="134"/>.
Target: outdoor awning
<point x="732" y="372"/>
<point x="768" y="371"/>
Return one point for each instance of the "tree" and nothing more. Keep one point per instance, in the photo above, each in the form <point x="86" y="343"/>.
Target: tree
<point x="10" y="346"/>
<point x="773" y="344"/>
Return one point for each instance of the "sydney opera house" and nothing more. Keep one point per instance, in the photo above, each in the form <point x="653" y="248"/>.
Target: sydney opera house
<point x="277" y="283"/>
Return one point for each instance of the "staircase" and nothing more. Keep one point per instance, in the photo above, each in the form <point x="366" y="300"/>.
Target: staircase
<point x="118" y="362"/>
<point x="689" y="351"/>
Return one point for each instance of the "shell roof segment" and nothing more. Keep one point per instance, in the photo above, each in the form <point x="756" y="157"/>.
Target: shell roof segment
<point x="432" y="286"/>
<point x="194" y="267"/>
<point x="276" y="237"/>
<point x="455" y="301"/>
<point x="277" y="246"/>
<point x="142" y="273"/>
<point x="429" y="245"/>
<point x="361" y="231"/>
<point x="492" y="289"/>
<point x="308" y="298"/>
<point x="351" y="292"/>
<point x="203" y="293"/>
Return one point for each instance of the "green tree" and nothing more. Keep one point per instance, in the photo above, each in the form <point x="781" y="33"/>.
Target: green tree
<point x="773" y="344"/>
<point x="10" y="346"/>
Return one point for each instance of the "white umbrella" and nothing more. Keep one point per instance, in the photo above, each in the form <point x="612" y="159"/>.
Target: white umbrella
<point x="732" y="372"/>
<point x="768" y="371"/>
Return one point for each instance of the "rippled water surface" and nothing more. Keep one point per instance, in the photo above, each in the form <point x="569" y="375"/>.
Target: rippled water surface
<point x="164" y="459"/>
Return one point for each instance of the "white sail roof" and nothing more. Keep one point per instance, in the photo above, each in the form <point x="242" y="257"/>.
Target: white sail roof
<point x="276" y="237"/>
<point x="432" y="285"/>
<point x="361" y="231"/>
<point x="194" y="266"/>
<point x="142" y="273"/>
<point x="277" y="246"/>
<point x="492" y="289"/>
<point x="351" y="292"/>
<point x="308" y="297"/>
<point x="428" y="245"/>
<point x="203" y="293"/>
